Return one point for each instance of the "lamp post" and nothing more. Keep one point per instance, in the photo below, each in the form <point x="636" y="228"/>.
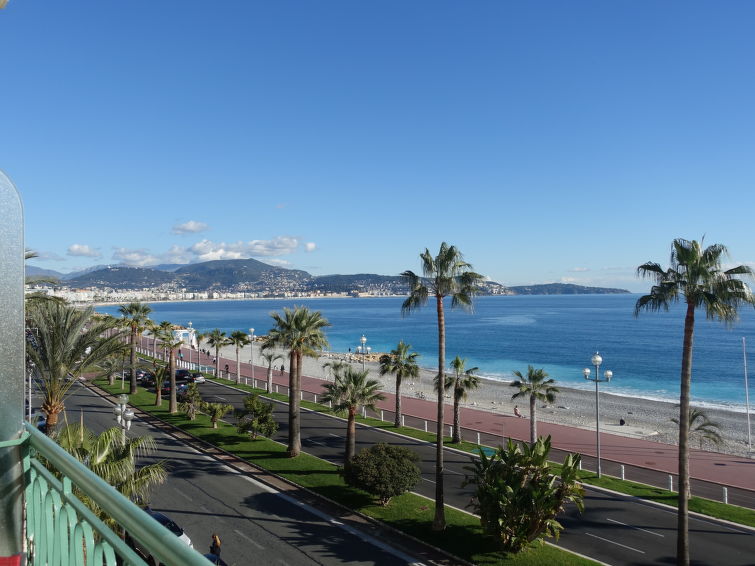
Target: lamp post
<point x="123" y="414"/>
<point x="251" y="347"/>
<point x="190" y="344"/>
<point x="596" y="360"/>
<point x="363" y="349"/>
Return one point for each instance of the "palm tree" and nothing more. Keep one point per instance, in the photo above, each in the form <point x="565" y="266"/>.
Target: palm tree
<point x="67" y="342"/>
<point x="403" y="364"/>
<point x="351" y="390"/>
<point x="462" y="381"/>
<point x="299" y="331"/>
<point x="216" y="339"/>
<point x="110" y="366"/>
<point x="192" y="401"/>
<point x="172" y="343"/>
<point x="537" y="388"/>
<point x="270" y="356"/>
<point x="216" y="411"/>
<point x="136" y="315"/>
<point x="239" y="338"/>
<point x="113" y="457"/>
<point x="701" y="426"/>
<point x="696" y="276"/>
<point x="445" y="275"/>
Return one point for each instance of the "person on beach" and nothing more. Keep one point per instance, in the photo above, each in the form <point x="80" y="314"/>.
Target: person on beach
<point x="516" y="411"/>
<point x="215" y="548"/>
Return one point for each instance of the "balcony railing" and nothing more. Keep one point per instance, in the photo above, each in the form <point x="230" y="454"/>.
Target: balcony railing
<point x="42" y="522"/>
<point x="61" y="530"/>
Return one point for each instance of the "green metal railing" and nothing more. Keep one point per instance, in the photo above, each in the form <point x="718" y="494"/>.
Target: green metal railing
<point x="61" y="530"/>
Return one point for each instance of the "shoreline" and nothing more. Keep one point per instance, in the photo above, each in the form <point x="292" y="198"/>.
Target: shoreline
<point x="644" y="418"/>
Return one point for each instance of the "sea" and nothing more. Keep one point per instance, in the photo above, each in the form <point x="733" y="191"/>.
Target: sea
<point x="558" y="333"/>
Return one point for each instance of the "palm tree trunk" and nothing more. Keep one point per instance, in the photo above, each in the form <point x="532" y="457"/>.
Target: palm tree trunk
<point x="682" y="540"/>
<point x="439" y="521"/>
<point x="238" y="366"/>
<point x="270" y="377"/>
<point x="294" y="386"/>
<point x="397" y="419"/>
<point x="132" y="380"/>
<point x="51" y="422"/>
<point x="533" y="420"/>
<point x="217" y="362"/>
<point x="351" y="433"/>
<point x="457" y="409"/>
<point x="172" y="404"/>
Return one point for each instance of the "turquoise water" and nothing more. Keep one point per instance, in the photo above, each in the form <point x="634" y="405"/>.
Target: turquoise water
<point x="557" y="332"/>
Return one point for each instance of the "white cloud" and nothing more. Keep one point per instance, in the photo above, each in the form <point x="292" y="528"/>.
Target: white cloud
<point x="207" y="250"/>
<point x="190" y="227"/>
<point x="579" y="269"/>
<point x="83" y="250"/>
<point x="176" y="254"/>
<point x="310" y="247"/>
<point x="135" y="258"/>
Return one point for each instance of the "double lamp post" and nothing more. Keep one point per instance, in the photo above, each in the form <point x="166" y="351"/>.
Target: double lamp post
<point x="607" y="375"/>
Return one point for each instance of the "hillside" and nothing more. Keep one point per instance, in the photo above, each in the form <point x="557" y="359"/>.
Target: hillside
<point x="563" y="289"/>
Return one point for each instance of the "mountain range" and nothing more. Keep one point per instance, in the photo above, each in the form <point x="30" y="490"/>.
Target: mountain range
<point x="250" y="275"/>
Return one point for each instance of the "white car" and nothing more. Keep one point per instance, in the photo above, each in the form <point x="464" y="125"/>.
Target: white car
<point x="197" y="378"/>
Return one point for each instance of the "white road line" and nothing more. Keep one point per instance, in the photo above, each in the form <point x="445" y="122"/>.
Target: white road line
<point x="182" y="494"/>
<point x="254" y="542"/>
<point x="427" y="480"/>
<point x="633" y="527"/>
<point x="336" y="435"/>
<point x="616" y="543"/>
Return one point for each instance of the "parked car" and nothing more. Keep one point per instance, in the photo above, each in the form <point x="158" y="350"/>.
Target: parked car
<point x="197" y="377"/>
<point x="182" y="375"/>
<point x="166" y="522"/>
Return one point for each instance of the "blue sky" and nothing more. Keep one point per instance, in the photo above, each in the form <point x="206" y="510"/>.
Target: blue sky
<point x="549" y="141"/>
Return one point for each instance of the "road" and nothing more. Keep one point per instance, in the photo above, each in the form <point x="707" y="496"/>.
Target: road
<point x="256" y="524"/>
<point x="614" y="529"/>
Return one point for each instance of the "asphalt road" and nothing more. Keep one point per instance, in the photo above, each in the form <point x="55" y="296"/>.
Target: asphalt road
<point x="614" y="529"/>
<point x="257" y="525"/>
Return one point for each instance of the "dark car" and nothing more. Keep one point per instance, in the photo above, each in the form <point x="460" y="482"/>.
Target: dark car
<point x="182" y="375"/>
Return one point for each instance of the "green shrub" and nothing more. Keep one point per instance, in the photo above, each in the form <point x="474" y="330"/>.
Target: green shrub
<point x="256" y="417"/>
<point x="384" y="471"/>
<point x="518" y="496"/>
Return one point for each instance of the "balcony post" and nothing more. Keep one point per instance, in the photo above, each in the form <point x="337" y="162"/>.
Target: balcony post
<point x="12" y="368"/>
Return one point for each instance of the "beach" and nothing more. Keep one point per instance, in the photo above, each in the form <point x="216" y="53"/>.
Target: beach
<point x="644" y="418"/>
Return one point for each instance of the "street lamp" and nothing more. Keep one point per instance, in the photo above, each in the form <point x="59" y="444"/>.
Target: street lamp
<point x="190" y="345"/>
<point x="251" y="347"/>
<point x="123" y="414"/>
<point x="363" y="349"/>
<point x="596" y="360"/>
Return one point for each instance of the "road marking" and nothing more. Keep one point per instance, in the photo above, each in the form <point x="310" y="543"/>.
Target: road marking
<point x="336" y="435"/>
<point x="429" y="481"/>
<point x="308" y="441"/>
<point x="254" y="542"/>
<point x="616" y="543"/>
<point x="182" y="494"/>
<point x="633" y="527"/>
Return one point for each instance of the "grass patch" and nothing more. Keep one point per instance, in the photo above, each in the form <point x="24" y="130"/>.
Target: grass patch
<point x="410" y="513"/>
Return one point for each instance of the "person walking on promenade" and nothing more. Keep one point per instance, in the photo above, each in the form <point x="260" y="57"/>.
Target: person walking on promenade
<point x="516" y="411"/>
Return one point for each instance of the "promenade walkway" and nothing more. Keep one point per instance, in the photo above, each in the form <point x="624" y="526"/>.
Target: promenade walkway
<point x="643" y="460"/>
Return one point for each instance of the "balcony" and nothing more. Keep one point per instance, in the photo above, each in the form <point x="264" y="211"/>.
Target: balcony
<point x="42" y="521"/>
<point x="59" y="529"/>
